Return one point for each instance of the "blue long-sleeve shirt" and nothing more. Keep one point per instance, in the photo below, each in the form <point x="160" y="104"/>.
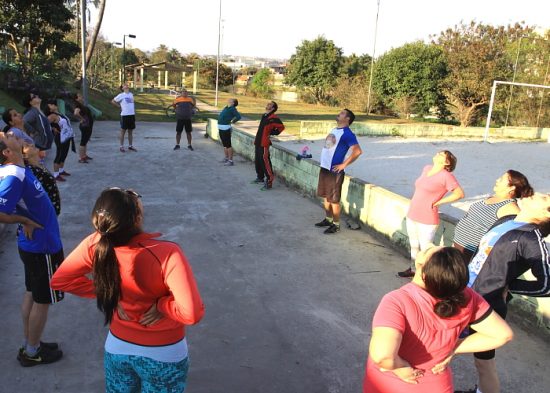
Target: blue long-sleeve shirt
<point x="228" y="115"/>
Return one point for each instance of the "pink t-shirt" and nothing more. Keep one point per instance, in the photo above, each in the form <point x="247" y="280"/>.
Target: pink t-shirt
<point x="427" y="191"/>
<point x="427" y="338"/>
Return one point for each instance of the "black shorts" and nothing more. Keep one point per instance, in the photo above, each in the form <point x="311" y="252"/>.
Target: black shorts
<point x="128" y="122"/>
<point x="330" y="185"/>
<point x="39" y="269"/>
<point x="184" y="123"/>
<point x="225" y="136"/>
<point x="502" y="310"/>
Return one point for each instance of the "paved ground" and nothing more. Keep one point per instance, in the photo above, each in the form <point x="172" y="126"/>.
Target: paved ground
<point x="287" y="308"/>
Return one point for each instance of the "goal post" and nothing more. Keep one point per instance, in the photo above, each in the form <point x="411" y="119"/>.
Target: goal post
<point x="493" y="91"/>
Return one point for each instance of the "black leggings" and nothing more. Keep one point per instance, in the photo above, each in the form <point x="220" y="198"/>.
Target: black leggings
<point x="86" y="134"/>
<point x="62" y="149"/>
<point x="225" y="136"/>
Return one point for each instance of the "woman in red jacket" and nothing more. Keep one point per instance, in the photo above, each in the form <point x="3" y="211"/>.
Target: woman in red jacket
<point x="146" y="291"/>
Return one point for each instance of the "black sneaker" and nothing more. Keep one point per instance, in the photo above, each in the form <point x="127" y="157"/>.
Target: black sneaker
<point x="190" y="147"/>
<point x="43" y="356"/>
<point x="257" y="181"/>
<point x="50" y="346"/>
<point x="177" y="147"/>
<point x="324" y="223"/>
<point x="333" y="228"/>
<point x="406" y="273"/>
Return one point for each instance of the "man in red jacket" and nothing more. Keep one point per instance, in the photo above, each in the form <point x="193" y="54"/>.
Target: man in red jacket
<point x="270" y="124"/>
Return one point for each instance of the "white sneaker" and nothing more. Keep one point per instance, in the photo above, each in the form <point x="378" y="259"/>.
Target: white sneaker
<point x="228" y="163"/>
<point x="225" y="159"/>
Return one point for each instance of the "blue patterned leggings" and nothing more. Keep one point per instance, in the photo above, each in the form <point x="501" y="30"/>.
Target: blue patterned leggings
<point x="134" y="374"/>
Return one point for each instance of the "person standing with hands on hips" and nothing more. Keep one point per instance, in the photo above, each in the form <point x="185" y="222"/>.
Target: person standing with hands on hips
<point x="125" y="101"/>
<point x="333" y="163"/>
<point x="430" y="189"/>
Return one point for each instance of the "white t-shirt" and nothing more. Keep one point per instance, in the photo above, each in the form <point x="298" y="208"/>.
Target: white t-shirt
<point x="126" y="101"/>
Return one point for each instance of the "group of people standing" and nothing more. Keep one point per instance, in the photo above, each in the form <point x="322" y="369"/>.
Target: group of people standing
<point x="146" y="290"/>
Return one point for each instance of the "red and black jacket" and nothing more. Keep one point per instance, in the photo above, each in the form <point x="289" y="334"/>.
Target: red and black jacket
<point x="270" y="124"/>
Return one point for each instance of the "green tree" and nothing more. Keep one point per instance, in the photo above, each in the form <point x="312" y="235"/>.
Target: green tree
<point x="36" y="31"/>
<point x="354" y="65"/>
<point x="207" y="71"/>
<point x="476" y="56"/>
<point x="260" y="86"/>
<point x="410" y="78"/>
<point x="315" y="67"/>
<point x="160" y="54"/>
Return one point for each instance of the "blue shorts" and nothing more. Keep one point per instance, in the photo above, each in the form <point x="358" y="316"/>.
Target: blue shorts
<point x="134" y="374"/>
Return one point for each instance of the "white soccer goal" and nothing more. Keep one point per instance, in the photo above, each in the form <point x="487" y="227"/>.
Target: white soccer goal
<point x="495" y="83"/>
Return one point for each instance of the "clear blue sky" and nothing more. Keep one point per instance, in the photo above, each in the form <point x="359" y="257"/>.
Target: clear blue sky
<point x="274" y="28"/>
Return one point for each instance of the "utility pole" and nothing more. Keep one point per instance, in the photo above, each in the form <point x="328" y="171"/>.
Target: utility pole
<point x="83" y="49"/>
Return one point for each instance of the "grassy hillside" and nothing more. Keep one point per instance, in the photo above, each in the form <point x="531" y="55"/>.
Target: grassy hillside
<point x="7" y="101"/>
<point x="290" y="112"/>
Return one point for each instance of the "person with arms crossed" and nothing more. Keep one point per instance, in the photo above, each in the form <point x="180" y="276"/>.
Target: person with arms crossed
<point x="333" y="163"/>
<point x="125" y="101"/>
<point x="23" y="201"/>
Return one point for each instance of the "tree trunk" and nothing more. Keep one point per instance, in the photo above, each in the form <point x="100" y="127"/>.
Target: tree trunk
<point x="97" y="27"/>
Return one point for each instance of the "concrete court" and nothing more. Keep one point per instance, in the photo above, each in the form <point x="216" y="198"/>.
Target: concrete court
<point x="288" y="309"/>
<point x="394" y="163"/>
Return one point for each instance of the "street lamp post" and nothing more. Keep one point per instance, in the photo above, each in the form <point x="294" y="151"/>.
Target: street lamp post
<point x="218" y="57"/>
<point x="373" y="53"/>
<point x="83" y="50"/>
<point x="124" y="55"/>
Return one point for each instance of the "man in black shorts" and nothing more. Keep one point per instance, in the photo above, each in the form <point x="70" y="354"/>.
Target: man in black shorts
<point x="185" y="109"/>
<point x="23" y="201"/>
<point x="125" y="101"/>
<point x="333" y="162"/>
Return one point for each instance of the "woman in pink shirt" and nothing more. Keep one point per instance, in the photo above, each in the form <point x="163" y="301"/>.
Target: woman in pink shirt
<point x="416" y="327"/>
<point x="429" y="192"/>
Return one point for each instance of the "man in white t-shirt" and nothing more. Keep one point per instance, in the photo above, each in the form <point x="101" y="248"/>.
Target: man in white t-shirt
<point x="125" y="101"/>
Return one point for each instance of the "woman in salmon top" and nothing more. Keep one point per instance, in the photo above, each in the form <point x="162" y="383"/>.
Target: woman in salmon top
<point x="146" y="291"/>
<point x="429" y="192"/>
<point x="416" y="327"/>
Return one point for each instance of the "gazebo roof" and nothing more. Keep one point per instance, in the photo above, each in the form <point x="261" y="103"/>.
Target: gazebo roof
<point x="162" y="66"/>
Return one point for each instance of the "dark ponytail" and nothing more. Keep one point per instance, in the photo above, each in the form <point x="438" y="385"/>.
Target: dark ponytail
<point x="116" y="217"/>
<point x="522" y="187"/>
<point x="445" y="277"/>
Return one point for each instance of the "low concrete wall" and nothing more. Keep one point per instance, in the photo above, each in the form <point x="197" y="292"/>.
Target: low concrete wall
<point x="381" y="210"/>
<point x="315" y="128"/>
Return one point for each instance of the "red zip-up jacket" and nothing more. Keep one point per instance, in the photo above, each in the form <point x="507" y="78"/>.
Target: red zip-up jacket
<point x="151" y="271"/>
<point x="270" y="124"/>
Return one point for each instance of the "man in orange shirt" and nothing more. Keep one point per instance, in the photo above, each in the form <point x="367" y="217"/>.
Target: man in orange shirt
<point x="185" y="109"/>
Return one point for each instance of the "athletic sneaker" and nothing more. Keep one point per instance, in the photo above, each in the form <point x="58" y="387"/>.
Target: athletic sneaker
<point x="60" y="178"/>
<point x="132" y="148"/>
<point x="225" y="159"/>
<point x="65" y="173"/>
<point x="190" y="147"/>
<point x="333" y="228"/>
<point x="228" y="163"/>
<point x="43" y="356"/>
<point x="122" y="149"/>
<point x="177" y="147"/>
<point x="266" y="187"/>
<point x="257" y="181"/>
<point x="324" y="223"/>
<point x="406" y="273"/>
